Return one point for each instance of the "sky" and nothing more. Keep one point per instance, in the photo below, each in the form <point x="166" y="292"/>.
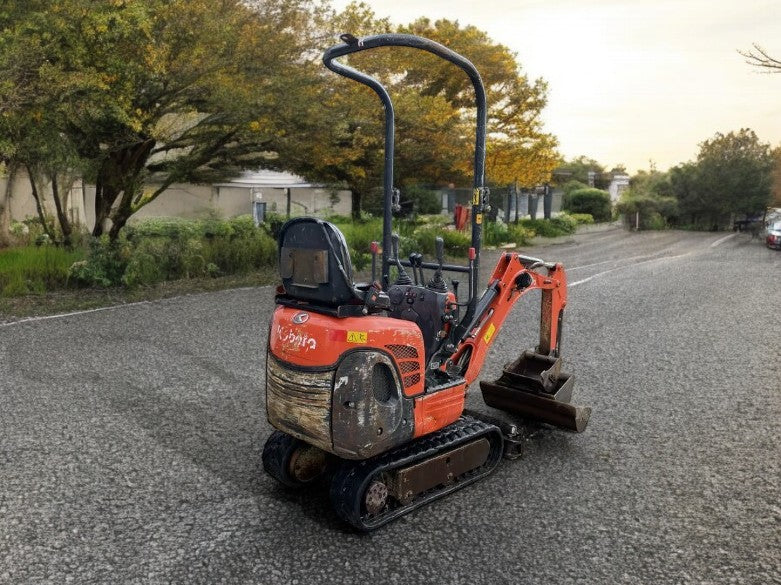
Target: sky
<point x="633" y="82"/>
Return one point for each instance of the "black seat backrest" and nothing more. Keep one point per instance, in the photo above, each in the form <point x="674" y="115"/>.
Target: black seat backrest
<point x="314" y="262"/>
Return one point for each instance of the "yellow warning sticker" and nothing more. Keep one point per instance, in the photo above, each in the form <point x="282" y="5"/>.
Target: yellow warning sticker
<point x="357" y="337"/>
<point x="478" y="218"/>
<point x="489" y="333"/>
<point x="476" y="197"/>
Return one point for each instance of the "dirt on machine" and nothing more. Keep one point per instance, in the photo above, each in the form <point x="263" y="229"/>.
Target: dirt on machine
<point x="366" y="383"/>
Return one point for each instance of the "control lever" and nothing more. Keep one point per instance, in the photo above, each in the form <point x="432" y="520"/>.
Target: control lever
<point x="437" y="283"/>
<point x="374" y="248"/>
<point x="419" y="265"/>
<point x="412" y="258"/>
<point x="403" y="277"/>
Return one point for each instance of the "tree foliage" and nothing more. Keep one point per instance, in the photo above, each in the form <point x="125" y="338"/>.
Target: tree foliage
<point x="578" y="169"/>
<point x="135" y="95"/>
<point x="154" y="90"/>
<point x="733" y="176"/>
<point x="775" y="189"/>
<point x="649" y="199"/>
<point x="434" y="107"/>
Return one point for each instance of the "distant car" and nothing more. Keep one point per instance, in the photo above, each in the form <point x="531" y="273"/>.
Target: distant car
<point x="773" y="235"/>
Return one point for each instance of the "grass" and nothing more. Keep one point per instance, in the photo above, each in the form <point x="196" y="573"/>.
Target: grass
<point x="32" y="269"/>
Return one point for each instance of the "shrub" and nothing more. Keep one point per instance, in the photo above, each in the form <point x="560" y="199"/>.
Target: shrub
<point x="595" y="202"/>
<point x="168" y="249"/>
<point x="495" y="233"/>
<point x="164" y="227"/>
<point x="550" y="228"/>
<point x="565" y="223"/>
<point x="573" y="185"/>
<point x="105" y="264"/>
<point x="519" y="234"/>
<point x="656" y="212"/>
<point x="582" y="218"/>
<point x="423" y="200"/>
<point x="424" y="240"/>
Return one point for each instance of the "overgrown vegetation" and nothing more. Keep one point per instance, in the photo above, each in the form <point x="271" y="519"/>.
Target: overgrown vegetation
<point x="735" y="176"/>
<point x="163" y="250"/>
<point x="160" y="250"/>
<point x="35" y="269"/>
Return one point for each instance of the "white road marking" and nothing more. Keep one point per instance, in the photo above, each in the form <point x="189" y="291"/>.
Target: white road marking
<point x="593" y="276"/>
<point x="112" y="307"/>
<point x="724" y="239"/>
<point x="609" y="261"/>
<point x="63" y="315"/>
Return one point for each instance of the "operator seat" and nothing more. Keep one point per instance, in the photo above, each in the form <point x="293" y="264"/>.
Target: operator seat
<point x="314" y="263"/>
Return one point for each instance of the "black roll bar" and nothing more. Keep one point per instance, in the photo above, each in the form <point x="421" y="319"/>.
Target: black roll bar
<point x="352" y="44"/>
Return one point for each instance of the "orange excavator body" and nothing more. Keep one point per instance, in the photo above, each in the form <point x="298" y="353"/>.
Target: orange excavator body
<point x="366" y="383"/>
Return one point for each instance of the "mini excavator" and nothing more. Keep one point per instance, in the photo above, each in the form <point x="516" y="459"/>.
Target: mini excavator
<point x="366" y="383"/>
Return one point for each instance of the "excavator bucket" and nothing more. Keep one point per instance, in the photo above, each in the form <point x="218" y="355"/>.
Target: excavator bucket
<point x="534" y="387"/>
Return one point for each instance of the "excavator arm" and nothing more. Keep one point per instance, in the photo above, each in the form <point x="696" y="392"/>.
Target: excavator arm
<point x="533" y="385"/>
<point x="513" y="277"/>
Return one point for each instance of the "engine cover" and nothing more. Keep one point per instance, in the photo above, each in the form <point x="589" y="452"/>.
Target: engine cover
<point x="345" y="385"/>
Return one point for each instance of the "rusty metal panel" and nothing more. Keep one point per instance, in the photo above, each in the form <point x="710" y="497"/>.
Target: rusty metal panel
<point x="407" y="483"/>
<point x="370" y="415"/>
<point x="298" y="402"/>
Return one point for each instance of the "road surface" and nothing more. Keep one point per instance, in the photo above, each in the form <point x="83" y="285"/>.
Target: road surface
<point x="130" y="441"/>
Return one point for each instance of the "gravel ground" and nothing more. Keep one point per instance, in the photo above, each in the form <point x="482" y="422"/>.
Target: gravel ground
<point x="130" y="441"/>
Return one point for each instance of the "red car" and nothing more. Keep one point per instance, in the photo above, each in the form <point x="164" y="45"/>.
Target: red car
<point x="773" y="235"/>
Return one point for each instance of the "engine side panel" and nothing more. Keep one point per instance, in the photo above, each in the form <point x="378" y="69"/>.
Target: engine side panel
<point x="314" y="340"/>
<point x="370" y="415"/>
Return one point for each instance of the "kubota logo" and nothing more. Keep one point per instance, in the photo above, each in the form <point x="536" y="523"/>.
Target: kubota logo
<point x="299" y="318"/>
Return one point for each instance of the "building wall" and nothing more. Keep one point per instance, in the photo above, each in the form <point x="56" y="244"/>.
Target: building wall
<point x="306" y="201"/>
<point x="618" y="185"/>
<point x="22" y="203"/>
<point x="185" y="200"/>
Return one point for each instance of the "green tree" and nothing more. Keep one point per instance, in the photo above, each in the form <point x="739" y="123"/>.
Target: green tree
<point x="775" y="190"/>
<point x="434" y="104"/>
<point x="595" y="202"/>
<point x="650" y="199"/>
<point x="733" y="176"/>
<point x="159" y="91"/>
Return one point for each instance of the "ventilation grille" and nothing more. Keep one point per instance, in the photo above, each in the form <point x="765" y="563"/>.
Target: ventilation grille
<point x="382" y="382"/>
<point x="407" y="358"/>
<point x="411" y="380"/>
<point x="407" y="367"/>
<point x="402" y="352"/>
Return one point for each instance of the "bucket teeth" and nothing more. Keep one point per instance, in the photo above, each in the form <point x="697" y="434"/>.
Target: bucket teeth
<point x="533" y="386"/>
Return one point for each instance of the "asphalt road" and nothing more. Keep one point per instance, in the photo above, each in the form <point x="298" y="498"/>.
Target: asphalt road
<point x="130" y="441"/>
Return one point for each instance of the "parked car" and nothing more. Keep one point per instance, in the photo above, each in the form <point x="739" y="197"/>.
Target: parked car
<point x="773" y="235"/>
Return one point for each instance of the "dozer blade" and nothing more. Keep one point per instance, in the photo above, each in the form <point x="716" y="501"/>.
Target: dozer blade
<point x="534" y="387"/>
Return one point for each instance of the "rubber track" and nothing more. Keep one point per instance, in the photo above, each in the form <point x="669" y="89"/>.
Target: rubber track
<point x="351" y="480"/>
<point x="276" y="457"/>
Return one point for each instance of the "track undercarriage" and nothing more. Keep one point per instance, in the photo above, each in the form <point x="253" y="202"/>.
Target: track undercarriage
<point x="370" y="493"/>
